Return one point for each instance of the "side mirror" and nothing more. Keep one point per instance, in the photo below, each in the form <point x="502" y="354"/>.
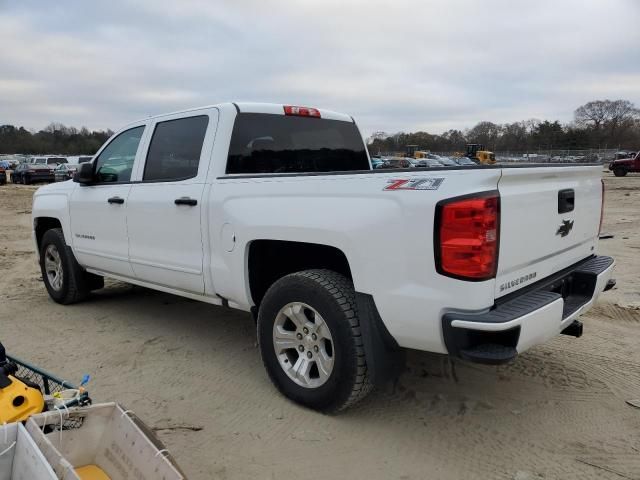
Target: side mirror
<point x="84" y="175"/>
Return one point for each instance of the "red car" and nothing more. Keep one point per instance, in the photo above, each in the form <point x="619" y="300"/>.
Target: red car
<point x="623" y="166"/>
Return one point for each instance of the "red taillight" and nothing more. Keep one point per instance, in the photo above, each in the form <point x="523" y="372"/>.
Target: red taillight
<point x="301" y="111"/>
<point x="601" y="207"/>
<point x="467" y="237"/>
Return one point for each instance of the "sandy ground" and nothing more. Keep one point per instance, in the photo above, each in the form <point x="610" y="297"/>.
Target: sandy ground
<point x="192" y="371"/>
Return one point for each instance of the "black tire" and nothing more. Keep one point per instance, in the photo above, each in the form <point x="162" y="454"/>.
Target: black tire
<point x="619" y="172"/>
<point x="332" y="295"/>
<point x="75" y="285"/>
<point x="26" y="180"/>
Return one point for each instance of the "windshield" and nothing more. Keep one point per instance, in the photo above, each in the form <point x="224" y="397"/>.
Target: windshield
<point x="267" y="143"/>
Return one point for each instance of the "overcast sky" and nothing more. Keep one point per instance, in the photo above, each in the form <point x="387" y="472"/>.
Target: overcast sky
<point x="394" y="66"/>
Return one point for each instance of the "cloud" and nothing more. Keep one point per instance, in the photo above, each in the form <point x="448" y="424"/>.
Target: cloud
<point x="402" y="65"/>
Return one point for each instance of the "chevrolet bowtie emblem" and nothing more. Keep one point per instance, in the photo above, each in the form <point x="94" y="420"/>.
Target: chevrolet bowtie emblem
<point x="565" y="228"/>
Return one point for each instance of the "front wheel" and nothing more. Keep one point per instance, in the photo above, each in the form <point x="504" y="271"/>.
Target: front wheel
<point x="619" y="172"/>
<point x="64" y="279"/>
<point x="310" y="340"/>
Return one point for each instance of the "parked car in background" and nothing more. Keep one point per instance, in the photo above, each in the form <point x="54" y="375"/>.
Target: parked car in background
<point x="78" y="159"/>
<point x="397" y="162"/>
<point x="623" y="166"/>
<point x="27" y="173"/>
<point x="9" y="163"/>
<point x="623" y="154"/>
<point x="376" y="162"/>
<point x="65" y="171"/>
<point x="429" y="162"/>
<point x="464" y="161"/>
<point x="3" y="174"/>
<point x="53" y="162"/>
<point x="446" y="161"/>
<point x="50" y="162"/>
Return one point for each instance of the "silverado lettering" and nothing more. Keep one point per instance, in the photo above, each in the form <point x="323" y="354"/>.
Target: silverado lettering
<point x="517" y="281"/>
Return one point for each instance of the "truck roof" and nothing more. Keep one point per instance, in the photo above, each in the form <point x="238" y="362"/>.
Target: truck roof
<point x="256" y="107"/>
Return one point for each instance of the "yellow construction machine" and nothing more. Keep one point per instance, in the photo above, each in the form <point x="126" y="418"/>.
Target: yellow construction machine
<point x="477" y="152"/>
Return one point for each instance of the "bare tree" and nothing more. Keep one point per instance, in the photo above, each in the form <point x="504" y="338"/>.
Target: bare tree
<point x="606" y="113"/>
<point x="486" y="133"/>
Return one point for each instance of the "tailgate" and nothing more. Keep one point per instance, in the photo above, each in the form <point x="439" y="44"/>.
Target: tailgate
<point x="535" y="239"/>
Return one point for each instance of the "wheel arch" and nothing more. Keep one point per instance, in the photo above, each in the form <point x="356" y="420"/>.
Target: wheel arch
<point x="268" y="260"/>
<point x="42" y="224"/>
<point x="50" y="210"/>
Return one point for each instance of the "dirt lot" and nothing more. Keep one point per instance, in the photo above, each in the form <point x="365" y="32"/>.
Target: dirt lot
<point x="192" y="371"/>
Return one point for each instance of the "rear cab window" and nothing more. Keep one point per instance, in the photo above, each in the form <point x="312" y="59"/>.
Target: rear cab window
<point x="270" y="143"/>
<point x="175" y="149"/>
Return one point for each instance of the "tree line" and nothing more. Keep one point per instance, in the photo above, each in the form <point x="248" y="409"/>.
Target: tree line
<point x="54" y="139"/>
<point x="596" y="124"/>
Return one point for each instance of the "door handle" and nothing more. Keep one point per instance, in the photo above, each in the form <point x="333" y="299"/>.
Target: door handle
<point x="117" y="200"/>
<point x="192" y="202"/>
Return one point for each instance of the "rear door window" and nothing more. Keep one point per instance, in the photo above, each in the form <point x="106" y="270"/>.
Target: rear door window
<point x="175" y="149"/>
<point x="268" y="143"/>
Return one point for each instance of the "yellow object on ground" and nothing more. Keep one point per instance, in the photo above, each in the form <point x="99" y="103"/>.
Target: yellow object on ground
<point x="91" y="472"/>
<point x="18" y="401"/>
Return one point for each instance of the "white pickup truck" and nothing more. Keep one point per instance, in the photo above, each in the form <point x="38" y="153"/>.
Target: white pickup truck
<point x="275" y="210"/>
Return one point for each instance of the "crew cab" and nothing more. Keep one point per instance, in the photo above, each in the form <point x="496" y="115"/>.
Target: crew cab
<point x="275" y="210"/>
<point x="620" y="167"/>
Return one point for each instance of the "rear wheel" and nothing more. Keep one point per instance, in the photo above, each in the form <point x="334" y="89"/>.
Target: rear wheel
<point x="63" y="277"/>
<point x="26" y="180"/>
<point x="619" y="172"/>
<point x="310" y="340"/>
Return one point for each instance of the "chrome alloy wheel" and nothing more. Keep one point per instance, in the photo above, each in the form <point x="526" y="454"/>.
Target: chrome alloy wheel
<point x="53" y="267"/>
<point x="303" y="345"/>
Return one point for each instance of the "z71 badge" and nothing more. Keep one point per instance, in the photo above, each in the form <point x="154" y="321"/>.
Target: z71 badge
<point x="420" y="183"/>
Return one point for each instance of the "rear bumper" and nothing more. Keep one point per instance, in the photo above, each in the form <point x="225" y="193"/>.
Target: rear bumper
<point x="40" y="177"/>
<point x="527" y="317"/>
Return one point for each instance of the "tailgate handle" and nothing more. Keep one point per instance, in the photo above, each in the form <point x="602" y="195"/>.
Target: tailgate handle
<point x="566" y="200"/>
